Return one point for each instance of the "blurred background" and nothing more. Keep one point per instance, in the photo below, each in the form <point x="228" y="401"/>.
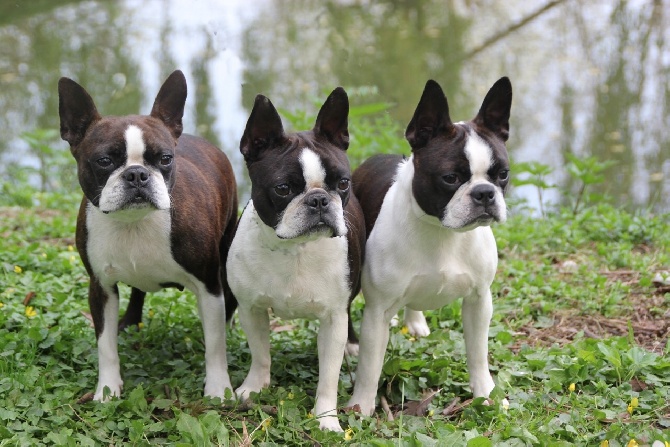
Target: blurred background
<point x="591" y="79"/>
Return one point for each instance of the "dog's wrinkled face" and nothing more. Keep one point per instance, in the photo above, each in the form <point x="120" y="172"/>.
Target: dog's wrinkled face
<point x="130" y="165"/>
<point x="461" y="169"/>
<point x="125" y="164"/>
<point x="300" y="182"/>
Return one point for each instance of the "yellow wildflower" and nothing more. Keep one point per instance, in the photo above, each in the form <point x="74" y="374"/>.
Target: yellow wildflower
<point x="310" y="415"/>
<point x="72" y="258"/>
<point x="266" y="424"/>
<point x="17" y="269"/>
<point x="30" y="311"/>
<point x="140" y="325"/>
<point x="634" y="402"/>
<point x="605" y="443"/>
<point x="290" y="396"/>
<point x="632" y="443"/>
<point x="44" y="255"/>
<point x="348" y="434"/>
<point x="404" y="330"/>
<point x="70" y="248"/>
<point x="2" y="305"/>
<point x="151" y="313"/>
<point x="571" y="388"/>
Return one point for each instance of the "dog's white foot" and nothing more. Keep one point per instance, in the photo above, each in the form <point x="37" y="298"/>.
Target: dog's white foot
<point x="217" y="387"/>
<point x="395" y="321"/>
<point x="481" y="384"/>
<point x="254" y="383"/>
<point x="351" y="349"/>
<point x="329" y="423"/>
<point x="416" y="323"/>
<point x="114" y="390"/>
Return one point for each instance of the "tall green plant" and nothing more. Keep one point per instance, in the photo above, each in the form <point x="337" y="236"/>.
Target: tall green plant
<point x="537" y="174"/>
<point x="587" y="171"/>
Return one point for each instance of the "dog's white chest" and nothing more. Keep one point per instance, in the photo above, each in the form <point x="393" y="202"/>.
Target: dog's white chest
<point x="418" y="262"/>
<point x="296" y="279"/>
<point x="135" y="253"/>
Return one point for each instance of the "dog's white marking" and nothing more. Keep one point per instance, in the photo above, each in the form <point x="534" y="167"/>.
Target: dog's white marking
<point x="312" y="169"/>
<point x="413" y="261"/>
<point x="135" y="146"/>
<point x="301" y="278"/>
<point x="460" y="210"/>
<point x="113" y="196"/>
<point x="479" y="154"/>
<point x="138" y="253"/>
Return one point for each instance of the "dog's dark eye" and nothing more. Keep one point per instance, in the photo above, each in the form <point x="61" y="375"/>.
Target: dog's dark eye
<point x="104" y="162"/>
<point x="343" y="184"/>
<point x="166" y="160"/>
<point x="282" y="190"/>
<point x="450" y="179"/>
<point x="503" y="175"/>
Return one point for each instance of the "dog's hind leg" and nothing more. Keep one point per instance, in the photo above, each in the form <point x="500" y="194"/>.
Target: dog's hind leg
<point x="133" y="315"/>
<point x="416" y="323"/>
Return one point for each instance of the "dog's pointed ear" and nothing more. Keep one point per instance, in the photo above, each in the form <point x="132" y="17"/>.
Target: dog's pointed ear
<point x="332" y="122"/>
<point x="430" y="117"/>
<point x="495" y="110"/>
<point x="77" y="111"/>
<point x="169" y="104"/>
<point x="264" y="129"/>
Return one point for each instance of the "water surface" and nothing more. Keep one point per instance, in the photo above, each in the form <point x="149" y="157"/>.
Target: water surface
<point x="590" y="78"/>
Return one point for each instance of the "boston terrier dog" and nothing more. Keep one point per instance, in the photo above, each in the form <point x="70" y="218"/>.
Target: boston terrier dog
<point x="428" y="224"/>
<point x="159" y="210"/>
<point x="299" y="243"/>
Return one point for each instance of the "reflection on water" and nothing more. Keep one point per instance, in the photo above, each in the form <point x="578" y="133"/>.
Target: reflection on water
<point x="589" y="78"/>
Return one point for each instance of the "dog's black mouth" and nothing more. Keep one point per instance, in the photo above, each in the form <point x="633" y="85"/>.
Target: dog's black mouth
<point x="139" y="201"/>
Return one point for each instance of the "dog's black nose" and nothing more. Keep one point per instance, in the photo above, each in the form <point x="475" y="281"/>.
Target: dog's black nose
<point x="136" y="176"/>
<point x="483" y="194"/>
<point x="317" y="200"/>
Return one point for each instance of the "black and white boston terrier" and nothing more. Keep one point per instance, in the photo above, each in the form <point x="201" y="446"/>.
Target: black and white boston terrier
<point x="159" y="210"/>
<point x="429" y="237"/>
<point x="299" y="243"/>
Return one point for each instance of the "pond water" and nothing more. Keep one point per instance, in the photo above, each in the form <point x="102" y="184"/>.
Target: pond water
<point x="589" y="78"/>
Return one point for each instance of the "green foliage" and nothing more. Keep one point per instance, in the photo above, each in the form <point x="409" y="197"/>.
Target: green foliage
<point x="587" y="171"/>
<point x="533" y="173"/>
<point x="578" y="393"/>
<point x="48" y="359"/>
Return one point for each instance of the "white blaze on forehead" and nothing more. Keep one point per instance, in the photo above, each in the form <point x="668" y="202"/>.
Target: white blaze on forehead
<point x="479" y="154"/>
<point x="134" y="146"/>
<point x="312" y="169"/>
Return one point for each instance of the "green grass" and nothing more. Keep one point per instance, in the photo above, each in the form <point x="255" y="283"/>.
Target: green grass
<point x="578" y="342"/>
<point x="48" y="356"/>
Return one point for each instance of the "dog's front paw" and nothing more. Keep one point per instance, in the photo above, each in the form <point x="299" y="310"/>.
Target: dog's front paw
<point x="351" y="349"/>
<point x="416" y="323"/>
<point x="330" y="423"/>
<point x="217" y="388"/>
<point x="105" y="391"/>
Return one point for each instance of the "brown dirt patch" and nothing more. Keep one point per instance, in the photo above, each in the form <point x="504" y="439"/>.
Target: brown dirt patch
<point x="647" y="316"/>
